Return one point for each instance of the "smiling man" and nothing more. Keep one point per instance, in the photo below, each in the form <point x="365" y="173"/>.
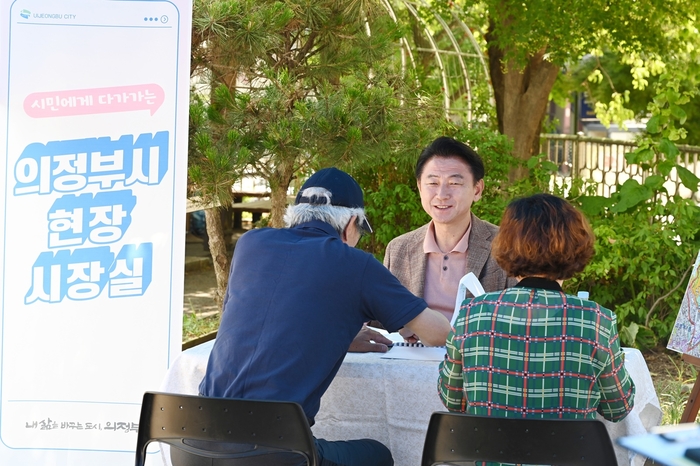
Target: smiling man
<point x="431" y="260"/>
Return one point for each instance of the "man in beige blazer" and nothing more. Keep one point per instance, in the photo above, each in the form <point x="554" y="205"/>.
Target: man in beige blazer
<point x="430" y="260"/>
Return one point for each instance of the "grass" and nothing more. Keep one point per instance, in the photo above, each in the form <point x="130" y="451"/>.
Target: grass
<point x="673" y="381"/>
<point x="194" y="326"/>
<point x="674" y="388"/>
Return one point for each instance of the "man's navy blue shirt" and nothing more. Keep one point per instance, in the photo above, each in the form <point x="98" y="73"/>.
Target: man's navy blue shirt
<point x="296" y="298"/>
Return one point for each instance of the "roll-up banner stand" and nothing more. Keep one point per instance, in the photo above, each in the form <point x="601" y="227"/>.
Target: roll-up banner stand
<point x="93" y="133"/>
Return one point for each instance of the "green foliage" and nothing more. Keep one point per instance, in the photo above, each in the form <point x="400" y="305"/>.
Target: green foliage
<point x="194" y="326"/>
<point x="620" y="80"/>
<point x="212" y="166"/>
<point x="642" y="254"/>
<point x="608" y="83"/>
<point x="303" y="85"/>
<point x="646" y="238"/>
<point x="394" y="209"/>
<point x="567" y="30"/>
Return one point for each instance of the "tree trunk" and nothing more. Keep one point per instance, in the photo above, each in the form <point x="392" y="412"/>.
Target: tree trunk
<point x="279" y="205"/>
<point x="219" y="253"/>
<point x="279" y="184"/>
<point x="521" y="97"/>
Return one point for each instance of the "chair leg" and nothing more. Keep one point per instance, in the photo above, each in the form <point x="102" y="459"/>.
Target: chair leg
<point x="693" y="405"/>
<point x="690" y="413"/>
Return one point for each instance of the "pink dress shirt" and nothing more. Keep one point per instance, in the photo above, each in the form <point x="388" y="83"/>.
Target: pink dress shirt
<point x="443" y="272"/>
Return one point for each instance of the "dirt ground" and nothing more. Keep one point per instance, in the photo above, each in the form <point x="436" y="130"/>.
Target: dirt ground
<point x="664" y="363"/>
<point x="200" y="281"/>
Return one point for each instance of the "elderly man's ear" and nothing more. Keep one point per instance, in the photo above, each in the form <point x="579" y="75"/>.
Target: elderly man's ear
<point x="351" y="232"/>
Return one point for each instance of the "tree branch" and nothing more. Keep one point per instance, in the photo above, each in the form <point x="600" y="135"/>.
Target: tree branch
<point x="605" y="73"/>
<point x="651" y="310"/>
<point x="305" y="49"/>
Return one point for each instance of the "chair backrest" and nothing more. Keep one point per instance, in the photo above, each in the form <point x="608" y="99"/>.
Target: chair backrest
<point x="456" y="437"/>
<point x="264" y="425"/>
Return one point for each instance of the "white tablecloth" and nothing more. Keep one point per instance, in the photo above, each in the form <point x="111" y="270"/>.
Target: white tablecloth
<point x="391" y="400"/>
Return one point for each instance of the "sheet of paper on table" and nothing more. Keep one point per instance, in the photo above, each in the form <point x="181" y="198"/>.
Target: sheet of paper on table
<point x="417" y="352"/>
<point x="432" y="353"/>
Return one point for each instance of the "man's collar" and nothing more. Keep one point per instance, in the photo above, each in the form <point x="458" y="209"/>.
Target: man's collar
<point x="319" y="225"/>
<point x="430" y="243"/>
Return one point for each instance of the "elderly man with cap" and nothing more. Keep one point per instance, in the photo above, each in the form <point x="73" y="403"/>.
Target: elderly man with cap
<point x="297" y="298"/>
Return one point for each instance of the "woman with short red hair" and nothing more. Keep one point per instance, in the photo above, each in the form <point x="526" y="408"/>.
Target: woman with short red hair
<point x="532" y="350"/>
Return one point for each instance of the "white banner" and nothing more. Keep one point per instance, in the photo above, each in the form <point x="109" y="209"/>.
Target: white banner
<point x="94" y="113"/>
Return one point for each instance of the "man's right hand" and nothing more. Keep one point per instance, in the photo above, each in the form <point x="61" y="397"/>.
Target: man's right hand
<point x="369" y="341"/>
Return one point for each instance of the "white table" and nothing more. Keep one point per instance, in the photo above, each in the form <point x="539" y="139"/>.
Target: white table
<point x="391" y="400"/>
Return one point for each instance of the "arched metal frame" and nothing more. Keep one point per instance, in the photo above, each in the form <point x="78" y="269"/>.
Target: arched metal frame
<point x="456" y="49"/>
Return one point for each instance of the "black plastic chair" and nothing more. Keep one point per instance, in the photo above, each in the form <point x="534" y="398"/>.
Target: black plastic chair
<point x="207" y="427"/>
<point x="456" y="438"/>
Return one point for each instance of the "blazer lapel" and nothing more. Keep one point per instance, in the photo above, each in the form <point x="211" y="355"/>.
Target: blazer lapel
<point x="479" y="247"/>
<point x="417" y="254"/>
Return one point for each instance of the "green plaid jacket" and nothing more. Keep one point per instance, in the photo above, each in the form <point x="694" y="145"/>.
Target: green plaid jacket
<point x="532" y="352"/>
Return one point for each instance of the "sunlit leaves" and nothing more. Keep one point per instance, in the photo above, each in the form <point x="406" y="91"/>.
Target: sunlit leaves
<point x="596" y="76"/>
<point x="628" y="333"/>
<point x="570" y="29"/>
<point x="615" y="110"/>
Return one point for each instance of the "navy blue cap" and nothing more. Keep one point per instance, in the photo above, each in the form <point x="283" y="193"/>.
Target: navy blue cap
<point x="345" y="191"/>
